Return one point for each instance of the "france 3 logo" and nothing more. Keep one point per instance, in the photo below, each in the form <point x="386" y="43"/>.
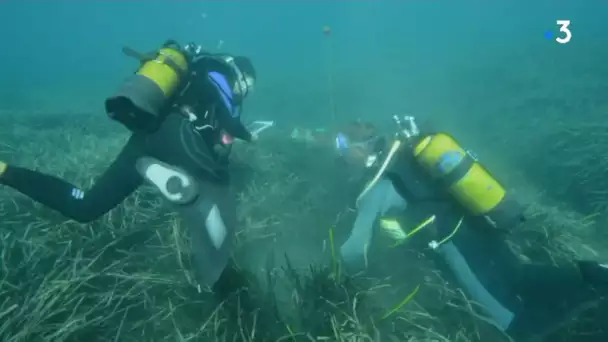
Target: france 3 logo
<point x="564" y="35"/>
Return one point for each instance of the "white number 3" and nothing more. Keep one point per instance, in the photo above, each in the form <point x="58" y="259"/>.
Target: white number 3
<point x="564" y="28"/>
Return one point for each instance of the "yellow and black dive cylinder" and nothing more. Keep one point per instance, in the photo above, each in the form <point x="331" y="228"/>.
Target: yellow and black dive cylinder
<point x="467" y="180"/>
<point x="139" y="102"/>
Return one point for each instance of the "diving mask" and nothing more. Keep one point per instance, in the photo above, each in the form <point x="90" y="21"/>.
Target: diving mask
<point x="362" y="150"/>
<point x="341" y="143"/>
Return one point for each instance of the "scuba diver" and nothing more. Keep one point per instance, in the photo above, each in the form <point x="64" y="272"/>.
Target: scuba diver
<point x="466" y="214"/>
<point x="183" y="107"/>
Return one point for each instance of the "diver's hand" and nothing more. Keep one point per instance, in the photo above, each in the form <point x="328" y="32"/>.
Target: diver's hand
<point x="257" y="127"/>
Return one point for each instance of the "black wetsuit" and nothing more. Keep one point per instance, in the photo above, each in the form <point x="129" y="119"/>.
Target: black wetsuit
<point x="175" y="142"/>
<point x="528" y="299"/>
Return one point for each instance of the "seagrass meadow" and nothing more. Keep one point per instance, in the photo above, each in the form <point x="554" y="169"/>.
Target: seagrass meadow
<point x="126" y="276"/>
<point x="488" y="72"/>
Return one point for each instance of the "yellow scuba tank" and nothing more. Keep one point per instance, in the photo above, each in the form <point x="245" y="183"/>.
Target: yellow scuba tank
<point x="467" y="180"/>
<point x="139" y="102"/>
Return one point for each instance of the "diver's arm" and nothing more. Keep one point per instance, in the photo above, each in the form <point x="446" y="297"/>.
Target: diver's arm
<point x="237" y="129"/>
<point x="375" y="202"/>
<point x="118" y="181"/>
<point x="233" y="125"/>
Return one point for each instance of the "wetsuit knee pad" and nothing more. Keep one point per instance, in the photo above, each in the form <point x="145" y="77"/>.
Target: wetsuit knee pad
<point x="175" y="184"/>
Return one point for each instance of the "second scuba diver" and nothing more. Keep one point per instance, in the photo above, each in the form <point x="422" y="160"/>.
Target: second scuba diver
<point x="180" y="106"/>
<point x="465" y="214"/>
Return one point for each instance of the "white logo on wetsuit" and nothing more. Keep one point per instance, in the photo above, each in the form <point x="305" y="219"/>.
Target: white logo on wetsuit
<point x="77" y="194"/>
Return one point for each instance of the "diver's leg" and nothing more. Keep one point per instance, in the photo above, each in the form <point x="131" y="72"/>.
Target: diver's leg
<point x="595" y="274"/>
<point x="538" y="279"/>
<point x="551" y="296"/>
<point x="479" y="261"/>
<point x="377" y="201"/>
<point x="524" y="300"/>
<point x="117" y="182"/>
<point x="469" y="280"/>
<point x="211" y="222"/>
<point x="545" y="282"/>
<point x="207" y="209"/>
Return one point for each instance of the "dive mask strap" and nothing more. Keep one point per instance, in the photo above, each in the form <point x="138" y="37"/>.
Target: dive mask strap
<point x="240" y="77"/>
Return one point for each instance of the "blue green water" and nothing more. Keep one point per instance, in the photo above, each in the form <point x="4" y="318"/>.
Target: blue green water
<point x="387" y="55"/>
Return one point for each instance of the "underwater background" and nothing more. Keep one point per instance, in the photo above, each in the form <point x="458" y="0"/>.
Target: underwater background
<point x="387" y="56"/>
<point x="532" y="109"/>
